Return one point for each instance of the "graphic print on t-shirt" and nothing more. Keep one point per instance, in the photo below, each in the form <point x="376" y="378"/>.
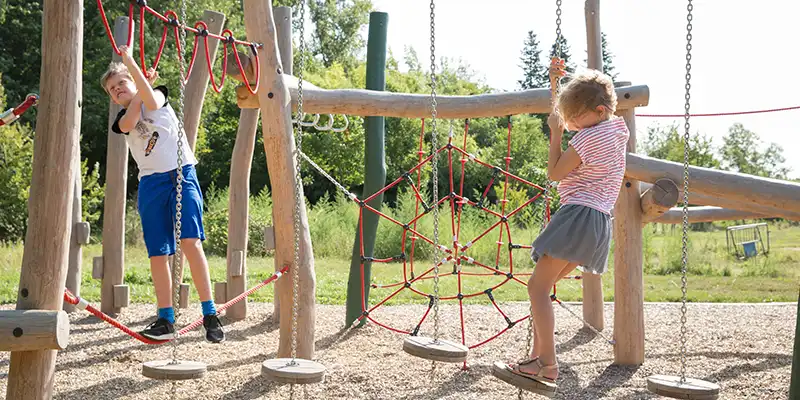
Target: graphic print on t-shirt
<point x="151" y="144"/>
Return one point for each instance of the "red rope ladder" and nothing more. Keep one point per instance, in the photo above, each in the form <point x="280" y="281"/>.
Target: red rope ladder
<point x="12" y="114"/>
<point x="200" y="29"/>
<point x="83" y="304"/>
<point x="456" y="251"/>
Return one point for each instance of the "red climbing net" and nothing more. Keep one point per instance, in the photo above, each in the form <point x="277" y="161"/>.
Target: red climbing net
<point x="200" y="29"/>
<point x="12" y="114"/>
<point x="487" y="273"/>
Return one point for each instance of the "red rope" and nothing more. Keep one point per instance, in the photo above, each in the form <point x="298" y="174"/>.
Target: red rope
<point x="12" y="114"/>
<point x="720" y="113"/>
<point x="74" y="300"/>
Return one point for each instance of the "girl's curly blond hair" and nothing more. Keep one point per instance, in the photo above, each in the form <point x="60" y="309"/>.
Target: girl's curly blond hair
<point x="584" y="92"/>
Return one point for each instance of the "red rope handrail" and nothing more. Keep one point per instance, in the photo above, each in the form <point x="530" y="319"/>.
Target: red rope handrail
<point x="12" y="114"/>
<point x="771" y="110"/>
<point x="83" y="304"/>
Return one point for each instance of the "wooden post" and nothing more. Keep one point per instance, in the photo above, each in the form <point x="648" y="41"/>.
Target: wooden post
<point x="628" y="264"/>
<point x="238" y="201"/>
<point x="198" y="79"/>
<point x="26" y="330"/>
<point x="73" y="281"/>
<point x="44" y="262"/>
<point x="113" y="262"/>
<point x="283" y="26"/>
<point x="592" y="283"/>
<point x="794" y="384"/>
<point x="279" y="145"/>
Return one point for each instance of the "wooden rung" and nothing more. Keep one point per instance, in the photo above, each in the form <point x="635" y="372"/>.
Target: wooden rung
<point x="24" y="330"/>
<point x="269" y="238"/>
<point x="184" y="298"/>
<point x="245" y="99"/>
<point x="178" y="371"/>
<point x="97" y="267"/>
<point x="220" y="292"/>
<point x="82" y="232"/>
<point x="122" y="297"/>
<point x="237" y="263"/>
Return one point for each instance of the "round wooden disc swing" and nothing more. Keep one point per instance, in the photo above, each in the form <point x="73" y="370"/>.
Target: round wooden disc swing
<point x="503" y="372"/>
<point x="682" y="387"/>
<point x="435" y="350"/>
<point x="173" y="370"/>
<point x="288" y="370"/>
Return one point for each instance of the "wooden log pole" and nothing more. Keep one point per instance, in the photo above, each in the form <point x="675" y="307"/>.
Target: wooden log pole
<point x="283" y="27"/>
<point x="749" y="191"/>
<point x="73" y="282"/>
<point x="238" y="211"/>
<point x="26" y="330"/>
<point x="44" y="261"/>
<point x="706" y="200"/>
<point x="197" y="85"/>
<point x="113" y="261"/>
<point x="628" y="264"/>
<point x="279" y="146"/>
<point x="706" y="214"/>
<point x="658" y="199"/>
<point x="592" y="283"/>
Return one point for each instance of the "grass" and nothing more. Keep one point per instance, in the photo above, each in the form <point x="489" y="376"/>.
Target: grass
<point x="714" y="276"/>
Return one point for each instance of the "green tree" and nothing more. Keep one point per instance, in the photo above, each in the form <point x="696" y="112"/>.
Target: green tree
<point x="534" y="72"/>
<point x="338" y="24"/>
<point x="20" y="44"/>
<point x="741" y="152"/>
<point x="608" y="59"/>
<point x="666" y="143"/>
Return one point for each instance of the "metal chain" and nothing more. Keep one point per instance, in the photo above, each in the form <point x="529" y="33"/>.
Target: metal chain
<point x="435" y="172"/>
<point x="685" y="241"/>
<point x="298" y="187"/>
<point x="558" y="28"/>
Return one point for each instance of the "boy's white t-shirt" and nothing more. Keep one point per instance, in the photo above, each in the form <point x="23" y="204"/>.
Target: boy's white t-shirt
<point x="154" y="140"/>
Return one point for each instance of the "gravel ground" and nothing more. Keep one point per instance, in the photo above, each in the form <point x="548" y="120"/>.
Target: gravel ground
<point x="746" y="349"/>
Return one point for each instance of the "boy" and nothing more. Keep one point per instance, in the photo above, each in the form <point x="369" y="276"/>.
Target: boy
<point x="151" y="129"/>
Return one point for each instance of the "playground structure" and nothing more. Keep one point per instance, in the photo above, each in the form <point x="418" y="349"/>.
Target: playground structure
<point x="39" y="327"/>
<point x="745" y="241"/>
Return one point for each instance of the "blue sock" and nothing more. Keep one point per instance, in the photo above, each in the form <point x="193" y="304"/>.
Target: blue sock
<point x="167" y="313"/>
<point x="208" y="307"/>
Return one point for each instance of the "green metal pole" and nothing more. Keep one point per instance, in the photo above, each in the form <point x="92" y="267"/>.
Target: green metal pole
<point x="374" y="168"/>
<point x="794" y="387"/>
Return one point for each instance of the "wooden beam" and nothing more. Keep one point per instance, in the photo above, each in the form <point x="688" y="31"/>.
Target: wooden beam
<point x="592" y="283"/>
<point x="628" y="266"/>
<point x="706" y="200"/>
<point x="658" y="199"/>
<point x="279" y="145"/>
<point x="79" y="234"/>
<point x="197" y="85"/>
<point x="706" y="214"/>
<point x="44" y="261"/>
<point x="27" y="330"/>
<point x="113" y="257"/>
<point x="373" y="103"/>
<point x="750" y="191"/>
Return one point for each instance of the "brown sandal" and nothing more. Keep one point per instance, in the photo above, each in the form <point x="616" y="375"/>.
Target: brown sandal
<point x="538" y="376"/>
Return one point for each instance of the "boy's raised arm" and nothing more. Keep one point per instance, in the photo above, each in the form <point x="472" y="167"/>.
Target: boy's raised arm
<point x="152" y="100"/>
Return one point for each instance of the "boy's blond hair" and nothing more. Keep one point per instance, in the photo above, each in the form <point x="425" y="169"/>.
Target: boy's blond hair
<point x="584" y="92"/>
<point x="116" y="68"/>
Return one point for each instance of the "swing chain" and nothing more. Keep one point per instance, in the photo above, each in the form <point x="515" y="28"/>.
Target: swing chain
<point x="298" y="189"/>
<point x="177" y="265"/>
<point x="685" y="240"/>
<point x="435" y="172"/>
<point x="558" y="28"/>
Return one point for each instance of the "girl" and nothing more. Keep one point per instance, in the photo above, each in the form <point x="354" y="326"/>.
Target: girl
<point x="590" y="174"/>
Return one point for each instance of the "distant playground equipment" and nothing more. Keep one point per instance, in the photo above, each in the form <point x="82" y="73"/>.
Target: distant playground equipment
<point x="745" y="241"/>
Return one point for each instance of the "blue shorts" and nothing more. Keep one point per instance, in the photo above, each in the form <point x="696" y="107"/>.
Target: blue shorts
<point x="156" y="205"/>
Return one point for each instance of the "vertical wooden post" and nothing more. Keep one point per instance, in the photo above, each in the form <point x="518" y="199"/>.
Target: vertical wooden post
<point x="198" y="79"/>
<point x="628" y="263"/>
<point x="794" y="383"/>
<point x="592" y="283"/>
<point x="279" y="144"/>
<point x="114" y="202"/>
<point x="238" y="206"/>
<point x="73" y="280"/>
<point x="44" y="262"/>
<point x="283" y="26"/>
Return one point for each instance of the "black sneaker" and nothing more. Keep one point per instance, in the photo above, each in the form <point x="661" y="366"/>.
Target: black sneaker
<point x="159" y="330"/>
<point x="213" y="326"/>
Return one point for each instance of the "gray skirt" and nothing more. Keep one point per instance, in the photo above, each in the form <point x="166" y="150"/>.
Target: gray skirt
<point x="578" y="234"/>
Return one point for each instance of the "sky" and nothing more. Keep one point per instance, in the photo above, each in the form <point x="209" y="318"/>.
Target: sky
<point x="739" y="59"/>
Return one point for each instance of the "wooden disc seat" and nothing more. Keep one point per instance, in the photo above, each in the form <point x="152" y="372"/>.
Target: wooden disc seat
<point x="435" y="350"/>
<point x="503" y="372"/>
<point x="692" y="389"/>
<point x="173" y="371"/>
<point x="287" y="370"/>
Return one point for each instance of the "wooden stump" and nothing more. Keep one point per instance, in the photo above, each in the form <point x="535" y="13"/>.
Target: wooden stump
<point x="26" y="330"/>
